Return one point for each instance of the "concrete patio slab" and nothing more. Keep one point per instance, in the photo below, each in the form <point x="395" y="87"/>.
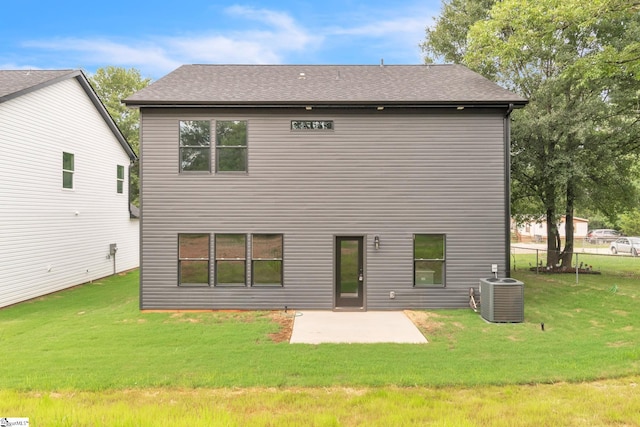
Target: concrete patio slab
<point x="316" y="327"/>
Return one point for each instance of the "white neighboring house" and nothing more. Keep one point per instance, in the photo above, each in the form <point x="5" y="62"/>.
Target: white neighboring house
<point x="64" y="186"/>
<point x="537" y="231"/>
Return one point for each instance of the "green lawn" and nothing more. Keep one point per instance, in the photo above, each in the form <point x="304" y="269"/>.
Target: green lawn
<point x="94" y="337"/>
<point x="93" y="341"/>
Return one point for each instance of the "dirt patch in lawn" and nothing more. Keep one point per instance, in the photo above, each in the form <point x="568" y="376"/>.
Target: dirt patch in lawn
<point x="181" y="318"/>
<point x="285" y="323"/>
<point x="427" y="322"/>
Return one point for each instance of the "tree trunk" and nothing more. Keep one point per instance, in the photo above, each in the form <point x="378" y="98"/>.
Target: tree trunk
<point x="549" y="198"/>
<point x="553" y="237"/>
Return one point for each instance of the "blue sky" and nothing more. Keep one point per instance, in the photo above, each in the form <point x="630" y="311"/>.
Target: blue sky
<point x="157" y="37"/>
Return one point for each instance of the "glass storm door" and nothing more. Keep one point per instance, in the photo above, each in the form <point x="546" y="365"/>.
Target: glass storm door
<point x="349" y="272"/>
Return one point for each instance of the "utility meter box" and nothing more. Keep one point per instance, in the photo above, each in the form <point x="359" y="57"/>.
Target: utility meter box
<point x="113" y="248"/>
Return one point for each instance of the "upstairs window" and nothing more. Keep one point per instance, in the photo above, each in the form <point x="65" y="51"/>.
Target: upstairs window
<point x="120" y="179"/>
<point x="195" y="145"/>
<point x="231" y="146"/>
<point x="429" y="260"/>
<point x="67" y="170"/>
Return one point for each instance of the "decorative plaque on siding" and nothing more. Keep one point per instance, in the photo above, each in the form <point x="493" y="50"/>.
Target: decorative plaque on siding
<point x="311" y="124"/>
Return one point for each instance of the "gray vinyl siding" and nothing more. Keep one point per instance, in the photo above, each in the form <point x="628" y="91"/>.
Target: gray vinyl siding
<point x="391" y="173"/>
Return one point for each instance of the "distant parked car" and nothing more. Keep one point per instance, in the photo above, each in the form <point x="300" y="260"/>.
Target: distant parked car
<point x="602" y="235"/>
<point x="626" y="245"/>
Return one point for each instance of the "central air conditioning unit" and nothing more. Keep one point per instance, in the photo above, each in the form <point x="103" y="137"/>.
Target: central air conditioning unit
<point x="502" y="300"/>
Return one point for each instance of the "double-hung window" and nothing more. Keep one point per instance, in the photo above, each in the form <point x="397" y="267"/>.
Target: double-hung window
<point x="231" y="146"/>
<point x="266" y="260"/>
<point x="193" y="259"/>
<point x="68" y="168"/>
<point x="429" y="260"/>
<point x="231" y="259"/>
<point x="120" y="179"/>
<point x="195" y="145"/>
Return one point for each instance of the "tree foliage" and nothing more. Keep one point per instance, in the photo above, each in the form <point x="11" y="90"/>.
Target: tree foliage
<point x="579" y="65"/>
<point x="630" y="223"/>
<point x="113" y="84"/>
<point x="447" y="39"/>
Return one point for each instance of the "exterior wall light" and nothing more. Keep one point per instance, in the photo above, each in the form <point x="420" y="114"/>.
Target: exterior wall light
<point x="376" y="242"/>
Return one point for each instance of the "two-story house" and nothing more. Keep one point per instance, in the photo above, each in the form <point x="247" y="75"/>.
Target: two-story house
<point x="322" y="187"/>
<point x="64" y="186"/>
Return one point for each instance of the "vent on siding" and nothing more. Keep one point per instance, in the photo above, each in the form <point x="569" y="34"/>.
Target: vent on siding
<point x="502" y="300"/>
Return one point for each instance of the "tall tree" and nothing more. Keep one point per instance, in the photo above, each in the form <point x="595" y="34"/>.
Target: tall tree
<point x="447" y="39"/>
<point x="113" y="84"/>
<point x="574" y="143"/>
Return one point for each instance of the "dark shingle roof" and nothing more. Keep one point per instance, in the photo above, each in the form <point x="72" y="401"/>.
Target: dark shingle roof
<point x="14" y="83"/>
<point x="322" y="84"/>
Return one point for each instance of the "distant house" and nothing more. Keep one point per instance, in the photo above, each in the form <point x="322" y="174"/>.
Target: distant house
<point x="536" y="231"/>
<point x="64" y="186"/>
<point x="322" y="187"/>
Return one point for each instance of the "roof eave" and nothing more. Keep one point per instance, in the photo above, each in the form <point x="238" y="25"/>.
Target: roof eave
<point x="326" y="105"/>
<point x="95" y="99"/>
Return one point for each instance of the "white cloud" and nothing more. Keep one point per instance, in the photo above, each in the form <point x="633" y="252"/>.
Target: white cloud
<point x="160" y="54"/>
<point x="394" y="34"/>
<point x="218" y="49"/>
<point x="268" y="37"/>
<point x="385" y="28"/>
<point x="269" y="45"/>
<point x="108" y="52"/>
<point x="14" y="66"/>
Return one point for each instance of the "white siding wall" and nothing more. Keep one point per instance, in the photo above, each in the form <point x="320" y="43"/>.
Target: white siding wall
<point x="53" y="238"/>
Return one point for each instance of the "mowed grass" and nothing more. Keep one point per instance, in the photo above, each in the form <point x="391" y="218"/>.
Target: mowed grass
<point x="94" y="337"/>
<point x="88" y="356"/>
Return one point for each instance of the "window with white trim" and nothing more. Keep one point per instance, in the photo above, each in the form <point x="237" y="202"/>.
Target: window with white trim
<point x="120" y="179"/>
<point x="68" y="169"/>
